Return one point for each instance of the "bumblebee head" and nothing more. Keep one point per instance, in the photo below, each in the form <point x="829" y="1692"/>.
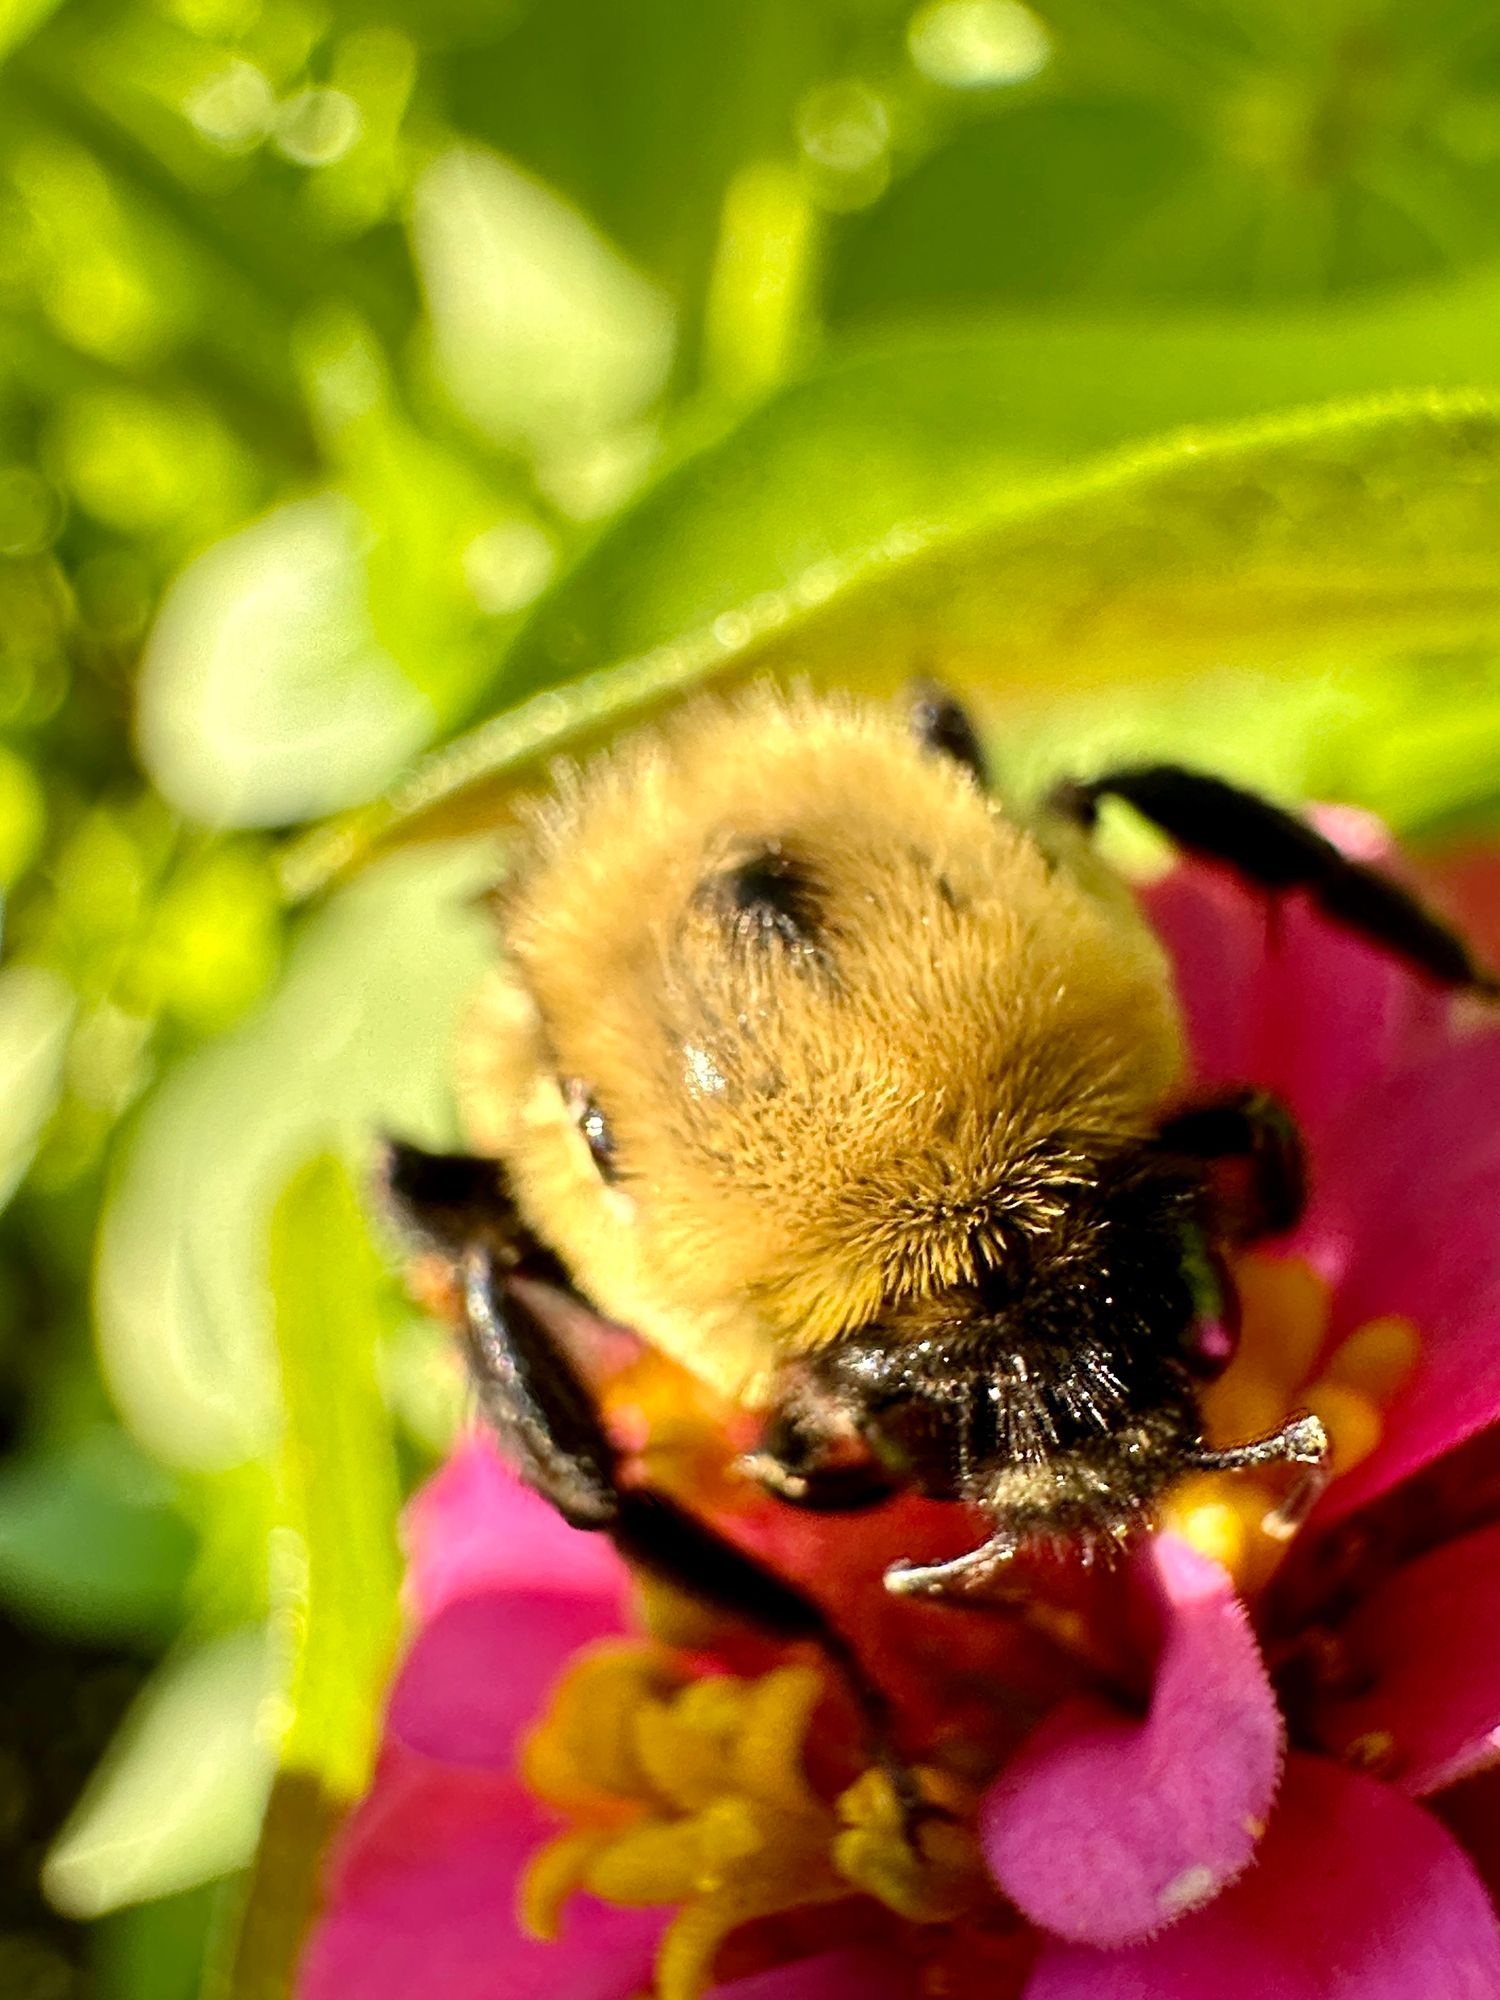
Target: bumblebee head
<point x="1056" y="1392"/>
<point x="792" y="1019"/>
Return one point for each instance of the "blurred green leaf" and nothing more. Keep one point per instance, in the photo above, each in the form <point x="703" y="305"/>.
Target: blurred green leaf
<point x="1191" y="153"/>
<point x="542" y="334"/>
<point x="155" y="1951"/>
<point x="429" y="510"/>
<point x="357" y="1040"/>
<point x="340" y="1494"/>
<point x="20" y="18"/>
<point x="36" y="1011"/>
<point x="336" y="1606"/>
<point x="1353" y="531"/>
<point x="91" y="1542"/>
<point x="180" y="1796"/>
<point x="265" y="695"/>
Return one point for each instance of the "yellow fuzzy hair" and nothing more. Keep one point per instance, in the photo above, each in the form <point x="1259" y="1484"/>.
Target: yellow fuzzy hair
<point x="806" y="1133"/>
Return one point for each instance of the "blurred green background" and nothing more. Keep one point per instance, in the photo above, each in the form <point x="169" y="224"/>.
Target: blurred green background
<point x="377" y="377"/>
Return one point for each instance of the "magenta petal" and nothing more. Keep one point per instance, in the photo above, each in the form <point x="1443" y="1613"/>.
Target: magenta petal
<point x="1427" y="1641"/>
<point x="1337" y="1014"/>
<point x="1274" y="993"/>
<point x="1410" y="1185"/>
<point x="474" y="1527"/>
<point x="422" y="1896"/>
<point x="505" y="1593"/>
<point x="480" y="1673"/>
<point x="1215" y="936"/>
<point x="1357" y="1894"/>
<point x="1103" y="1828"/>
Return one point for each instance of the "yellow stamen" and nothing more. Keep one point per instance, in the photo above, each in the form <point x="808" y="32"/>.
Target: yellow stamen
<point x="933" y="1882"/>
<point x="585" y="1752"/>
<point x="1377" y="1359"/>
<point x="697" y="1795"/>
<point x="1284" y="1306"/>
<point x="1351" y="1420"/>
<point x="1244" y="1403"/>
<point x="1284" y="1313"/>
<point x="768" y="1752"/>
<point x="685" y="1957"/>
<point x="1223" y="1515"/>
<point x="551" y="1876"/>
<point x="684" y="1748"/>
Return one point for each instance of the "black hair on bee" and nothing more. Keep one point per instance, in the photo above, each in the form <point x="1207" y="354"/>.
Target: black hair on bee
<point x="864" y="1097"/>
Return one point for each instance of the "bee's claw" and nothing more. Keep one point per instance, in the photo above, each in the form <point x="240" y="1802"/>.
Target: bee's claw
<point x="964" y="1579"/>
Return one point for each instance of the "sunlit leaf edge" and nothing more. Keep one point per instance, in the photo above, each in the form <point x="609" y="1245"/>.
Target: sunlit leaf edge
<point x="466" y="784"/>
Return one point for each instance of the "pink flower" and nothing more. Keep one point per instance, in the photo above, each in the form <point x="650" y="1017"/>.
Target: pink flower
<point x="1287" y="1800"/>
<point x="423" y="1890"/>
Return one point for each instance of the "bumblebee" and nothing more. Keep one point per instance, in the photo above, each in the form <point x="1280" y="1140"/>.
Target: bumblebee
<point x="864" y="1097"/>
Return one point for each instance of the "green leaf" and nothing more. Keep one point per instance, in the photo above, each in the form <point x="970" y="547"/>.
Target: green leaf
<point x="340" y="1569"/>
<point x="90" y="1541"/>
<point x="36" y="1013"/>
<point x="356" y="1040"/>
<point x="20" y="18"/>
<point x="264" y="694"/>
<point x="340" y="1490"/>
<point x="155" y="1951"/>
<point x="1367" y="531"/>
<point x="1362" y="532"/>
<point x="943" y="423"/>
<point x="179" y="1797"/>
<point x="541" y="331"/>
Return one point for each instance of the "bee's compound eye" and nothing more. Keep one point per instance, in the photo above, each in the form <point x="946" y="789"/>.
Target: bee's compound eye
<point x="583" y="1108"/>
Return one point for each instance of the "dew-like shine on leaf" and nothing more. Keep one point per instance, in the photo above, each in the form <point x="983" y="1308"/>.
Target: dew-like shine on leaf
<point x="1360" y="532"/>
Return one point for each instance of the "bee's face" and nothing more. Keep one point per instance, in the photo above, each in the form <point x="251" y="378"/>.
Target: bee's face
<point x="796" y="1030"/>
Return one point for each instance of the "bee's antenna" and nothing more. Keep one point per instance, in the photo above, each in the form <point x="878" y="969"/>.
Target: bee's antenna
<point x="1300" y="1441"/>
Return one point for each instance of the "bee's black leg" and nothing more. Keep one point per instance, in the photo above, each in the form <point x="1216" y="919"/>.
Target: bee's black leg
<point x="533" y="1399"/>
<point x="1276" y="850"/>
<point x="545" y="1419"/>
<point x="450" y="1201"/>
<point x="1250" y="1130"/>
<point x="940" y="722"/>
<point x="515" y="1310"/>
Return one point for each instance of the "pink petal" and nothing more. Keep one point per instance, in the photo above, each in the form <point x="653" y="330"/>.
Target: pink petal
<point x="474" y="1527"/>
<point x="1427" y="1641"/>
<point x="480" y="1673"/>
<point x="505" y="1592"/>
<point x="421" y="1902"/>
<point x="1216" y="938"/>
<point x="1471" y="1812"/>
<point x="1336" y="1015"/>
<point x="1357" y="1894"/>
<point x="1409" y="1196"/>
<point x="1275" y="994"/>
<point x="1104" y="1828"/>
